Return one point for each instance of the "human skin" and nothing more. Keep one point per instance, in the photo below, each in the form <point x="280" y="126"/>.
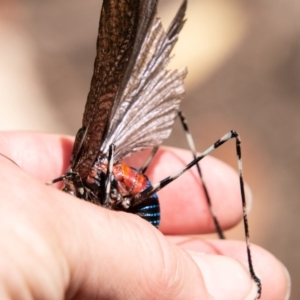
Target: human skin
<point x="55" y="246"/>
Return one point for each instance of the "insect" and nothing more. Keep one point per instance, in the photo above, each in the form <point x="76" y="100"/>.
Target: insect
<point x="132" y="105"/>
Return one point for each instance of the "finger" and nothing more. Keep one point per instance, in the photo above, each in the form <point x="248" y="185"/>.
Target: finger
<point x="184" y="206"/>
<point x="44" y="156"/>
<point x="274" y="276"/>
<point x="86" y="250"/>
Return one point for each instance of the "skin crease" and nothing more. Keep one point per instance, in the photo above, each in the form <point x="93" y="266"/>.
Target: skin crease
<point x="54" y="246"/>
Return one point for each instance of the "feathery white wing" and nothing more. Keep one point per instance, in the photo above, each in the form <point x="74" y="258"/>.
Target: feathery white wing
<point x="150" y="101"/>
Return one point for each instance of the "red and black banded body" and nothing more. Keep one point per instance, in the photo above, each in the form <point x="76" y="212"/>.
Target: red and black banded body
<point x="129" y="180"/>
<point x="126" y="183"/>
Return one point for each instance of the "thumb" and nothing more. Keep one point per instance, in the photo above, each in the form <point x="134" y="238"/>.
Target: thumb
<point x="55" y="246"/>
<point x="115" y="255"/>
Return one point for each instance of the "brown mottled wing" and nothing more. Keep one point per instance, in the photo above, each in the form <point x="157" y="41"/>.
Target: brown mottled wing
<point x="121" y="30"/>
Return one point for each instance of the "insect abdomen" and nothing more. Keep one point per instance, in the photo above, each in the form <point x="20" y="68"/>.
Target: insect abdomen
<point x="133" y="181"/>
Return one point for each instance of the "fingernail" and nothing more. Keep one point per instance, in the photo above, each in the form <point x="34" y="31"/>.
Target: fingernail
<point x="249" y="198"/>
<point x="224" y="277"/>
<point x="289" y="282"/>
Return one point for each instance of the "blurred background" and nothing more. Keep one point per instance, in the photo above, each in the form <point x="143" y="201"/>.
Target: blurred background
<point x="243" y="59"/>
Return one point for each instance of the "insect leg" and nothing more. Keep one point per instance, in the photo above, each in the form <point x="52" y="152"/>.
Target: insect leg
<point x="108" y="180"/>
<point x="158" y="186"/>
<point x="144" y="168"/>
<point x="194" y="153"/>
<point x="56" y="180"/>
<point x="155" y="188"/>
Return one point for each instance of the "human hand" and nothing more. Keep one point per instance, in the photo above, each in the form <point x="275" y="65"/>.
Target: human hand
<point x="55" y="246"/>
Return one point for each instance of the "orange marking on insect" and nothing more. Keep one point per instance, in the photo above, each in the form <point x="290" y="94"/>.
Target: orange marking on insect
<point x="134" y="181"/>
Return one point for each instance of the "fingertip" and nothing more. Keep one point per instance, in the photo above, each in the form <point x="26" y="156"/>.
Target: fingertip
<point x="275" y="279"/>
<point x="44" y="156"/>
<point x="224" y="277"/>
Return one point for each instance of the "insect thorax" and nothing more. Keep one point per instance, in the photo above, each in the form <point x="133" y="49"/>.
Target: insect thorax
<point x="125" y="183"/>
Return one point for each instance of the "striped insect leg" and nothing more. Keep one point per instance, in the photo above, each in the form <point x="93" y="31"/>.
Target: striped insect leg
<point x="144" y="168"/>
<point x="192" y="147"/>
